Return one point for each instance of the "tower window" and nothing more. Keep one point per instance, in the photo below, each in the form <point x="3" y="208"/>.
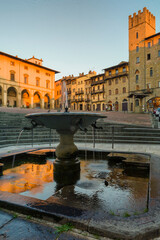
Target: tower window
<point x="151" y="72"/>
<point x="137" y="60"/>
<point x="137" y="49"/>
<point x="136" y="34"/>
<point x="148" y="56"/>
<point x="137" y="78"/>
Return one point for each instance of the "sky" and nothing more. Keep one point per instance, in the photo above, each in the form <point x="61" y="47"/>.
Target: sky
<point x="71" y="36"/>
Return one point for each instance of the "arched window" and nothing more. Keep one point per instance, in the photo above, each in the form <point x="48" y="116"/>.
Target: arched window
<point x="116" y="91"/>
<point x="124" y="90"/>
<point x="137" y="49"/>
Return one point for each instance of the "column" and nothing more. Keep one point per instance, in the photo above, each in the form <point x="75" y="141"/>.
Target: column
<point x="42" y="103"/>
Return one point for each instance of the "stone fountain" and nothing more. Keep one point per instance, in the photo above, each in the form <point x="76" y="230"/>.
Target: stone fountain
<point x="66" y="124"/>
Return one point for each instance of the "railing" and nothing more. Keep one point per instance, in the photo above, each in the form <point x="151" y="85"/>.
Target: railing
<point x="98" y="91"/>
<point x="98" y="82"/>
<point x="80" y="92"/>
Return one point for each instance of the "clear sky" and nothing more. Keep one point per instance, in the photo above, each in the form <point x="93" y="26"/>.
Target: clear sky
<point x="71" y="36"/>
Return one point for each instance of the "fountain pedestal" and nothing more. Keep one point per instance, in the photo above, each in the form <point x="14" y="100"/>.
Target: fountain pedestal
<point x="66" y="165"/>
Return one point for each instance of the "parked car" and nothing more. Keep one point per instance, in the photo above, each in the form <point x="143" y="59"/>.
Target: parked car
<point x="157" y="112"/>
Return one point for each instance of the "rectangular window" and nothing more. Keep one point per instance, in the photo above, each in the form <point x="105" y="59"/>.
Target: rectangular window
<point x="116" y="71"/>
<point x="159" y="84"/>
<point x="124" y="69"/>
<point x="137" y="77"/>
<point x="37" y="82"/>
<point x="149" y="44"/>
<point x="158" y="53"/>
<point x="148" y="56"/>
<point x="159" y="41"/>
<point x="137" y="35"/>
<point x="137" y="49"/>
<point x="109" y="73"/>
<point x="148" y="85"/>
<point x="25" y="80"/>
<point x="137" y="60"/>
<point x="12" y="77"/>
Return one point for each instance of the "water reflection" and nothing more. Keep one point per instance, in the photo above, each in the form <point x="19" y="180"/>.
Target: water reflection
<point x="124" y="192"/>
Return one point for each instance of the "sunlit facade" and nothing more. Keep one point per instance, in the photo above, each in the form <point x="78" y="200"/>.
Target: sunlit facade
<point x="144" y="60"/>
<point x="25" y="83"/>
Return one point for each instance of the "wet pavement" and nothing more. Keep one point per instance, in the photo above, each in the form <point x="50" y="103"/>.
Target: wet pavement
<point x="14" y="226"/>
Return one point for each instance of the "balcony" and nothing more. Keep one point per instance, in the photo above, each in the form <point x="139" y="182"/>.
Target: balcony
<point x="98" y="82"/>
<point x="98" y="91"/>
<point x="80" y="100"/>
<point x="120" y="74"/>
<point x="80" y="92"/>
<point x="87" y="100"/>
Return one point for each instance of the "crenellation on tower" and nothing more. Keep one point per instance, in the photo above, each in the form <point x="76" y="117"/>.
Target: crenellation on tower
<point x="141" y="17"/>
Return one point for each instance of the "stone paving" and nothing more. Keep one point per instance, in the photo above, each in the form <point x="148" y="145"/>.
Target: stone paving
<point x="17" y="226"/>
<point x="141" y="119"/>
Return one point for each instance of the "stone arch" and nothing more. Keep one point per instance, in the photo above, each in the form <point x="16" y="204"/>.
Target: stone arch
<point x="12" y="97"/>
<point x="47" y="101"/>
<point x="37" y="100"/>
<point x="25" y="98"/>
<point x="124" y="105"/>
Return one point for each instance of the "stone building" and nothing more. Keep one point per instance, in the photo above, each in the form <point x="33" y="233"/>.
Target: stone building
<point x="97" y="93"/>
<point x="116" y="87"/>
<point x="25" y="83"/>
<point x="144" y="62"/>
<point x="57" y="94"/>
<point x="76" y="90"/>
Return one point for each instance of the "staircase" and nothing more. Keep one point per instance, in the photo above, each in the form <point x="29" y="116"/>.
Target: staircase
<point x="12" y="123"/>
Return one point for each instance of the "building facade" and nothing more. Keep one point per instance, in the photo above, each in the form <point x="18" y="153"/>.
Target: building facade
<point x="25" y="83"/>
<point x="116" y="87"/>
<point x="144" y="62"/>
<point x="97" y="93"/>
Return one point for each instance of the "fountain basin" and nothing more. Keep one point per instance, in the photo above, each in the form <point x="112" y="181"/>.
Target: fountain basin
<point x="65" y="121"/>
